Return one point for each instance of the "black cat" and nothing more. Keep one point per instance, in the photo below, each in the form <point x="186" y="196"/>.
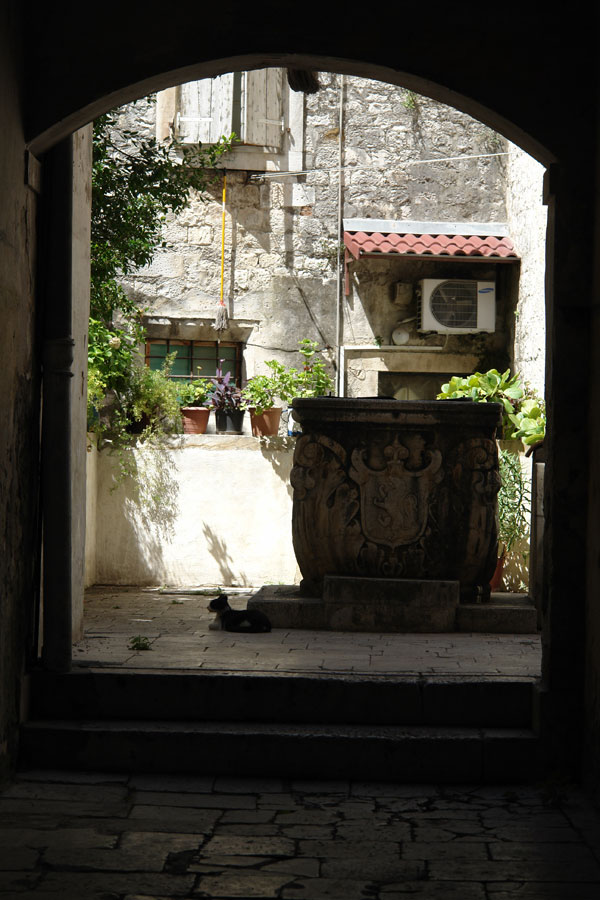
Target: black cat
<point x="244" y="620"/>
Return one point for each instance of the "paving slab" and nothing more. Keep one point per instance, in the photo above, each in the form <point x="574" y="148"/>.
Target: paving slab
<point x="112" y="616"/>
<point x="383" y="841"/>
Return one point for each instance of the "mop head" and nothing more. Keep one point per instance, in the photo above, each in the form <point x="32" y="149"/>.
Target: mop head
<point x="221" y="318"/>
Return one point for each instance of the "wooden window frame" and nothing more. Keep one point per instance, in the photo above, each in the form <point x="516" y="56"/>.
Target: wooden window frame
<point x="178" y="342"/>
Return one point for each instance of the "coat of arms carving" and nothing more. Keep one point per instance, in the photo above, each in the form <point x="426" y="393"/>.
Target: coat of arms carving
<point x="395" y="500"/>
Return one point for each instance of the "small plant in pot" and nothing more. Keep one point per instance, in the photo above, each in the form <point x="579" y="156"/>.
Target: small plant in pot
<point x="488" y="387"/>
<point x="194" y="398"/>
<point x="313" y="380"/>
<point x="226" y="400"/>
<point x="259" y="399"/>
<point x="150" y="400"/>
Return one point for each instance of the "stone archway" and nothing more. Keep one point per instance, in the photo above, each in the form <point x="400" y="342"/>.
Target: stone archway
<point x="566" y="191"/>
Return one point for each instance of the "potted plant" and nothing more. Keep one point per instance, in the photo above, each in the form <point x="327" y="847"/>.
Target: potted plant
<point x="226" y="400"/>
<point x="194" y="397"/>
<point x="488" y="387"/>
<point x="259" y="399"/>
<point x="313" y="380"/>
<point x="285" y="383"/>
<point x="150" y="400"/>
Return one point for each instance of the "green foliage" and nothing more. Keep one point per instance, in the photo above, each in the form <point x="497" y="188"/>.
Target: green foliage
<point x="152" y="399"/>
<point x="409" y="99"/>
<point x="530" y="422"/>
<point x="145" y="409"/>
<point x="136" y="182"/>
<point x="194" y="393"/>
<point x="260" y="392"/>
<point x="488" y="387"/>
<point x="523" y="414"/>
<point x="514" y="501"/>
<point x="523" y="417"/>
<point x="286" y="383"/>
<point x="313" y="380"/>
<point x="139" y="642"/>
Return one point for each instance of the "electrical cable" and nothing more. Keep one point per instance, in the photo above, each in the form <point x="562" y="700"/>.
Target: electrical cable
<point x="415" y="162"/>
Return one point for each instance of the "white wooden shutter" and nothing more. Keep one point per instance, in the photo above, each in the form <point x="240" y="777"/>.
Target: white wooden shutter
<point x="263" y="108"/>
<point x="251" y="106"/>
<point x="206" y="110"/>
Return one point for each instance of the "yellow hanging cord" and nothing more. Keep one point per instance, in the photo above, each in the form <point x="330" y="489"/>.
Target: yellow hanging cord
<point x="222" y="302"/>
<point x="221" y="316"/>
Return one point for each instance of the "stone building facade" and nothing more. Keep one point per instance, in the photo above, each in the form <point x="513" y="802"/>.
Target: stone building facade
<point x="356" y="150"/>
<point x="335" y="161"/>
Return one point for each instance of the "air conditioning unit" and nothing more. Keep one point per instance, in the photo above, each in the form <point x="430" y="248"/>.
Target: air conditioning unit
<point x="457" y="306"/>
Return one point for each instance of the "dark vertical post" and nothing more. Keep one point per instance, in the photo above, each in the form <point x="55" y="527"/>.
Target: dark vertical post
<point x="58" y="351"/>
<point x="566" y="478"/>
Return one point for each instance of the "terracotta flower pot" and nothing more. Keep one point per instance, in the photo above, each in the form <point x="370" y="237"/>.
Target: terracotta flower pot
<point x="195" y="419"/>
<point x="265" y="423"/>
<point x="496" y="579"/>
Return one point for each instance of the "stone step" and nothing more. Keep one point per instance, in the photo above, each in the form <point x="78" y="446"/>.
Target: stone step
<point x="505" y="614"/>
<point x="382" y="753"/>
<point x="85" y="693"/>
<point x="394" y="606"/>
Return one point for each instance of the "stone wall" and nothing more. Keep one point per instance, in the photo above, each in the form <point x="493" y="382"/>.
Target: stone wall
<point x="19" y="410"/>
<point x="282" y="232"/>
<point x="527" y="218"/>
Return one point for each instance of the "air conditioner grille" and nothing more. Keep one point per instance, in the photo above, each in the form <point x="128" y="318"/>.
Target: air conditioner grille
<point x="454" y="304"/>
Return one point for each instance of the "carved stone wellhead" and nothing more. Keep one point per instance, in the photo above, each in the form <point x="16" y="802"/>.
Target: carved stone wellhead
<point x="396" y="489"/>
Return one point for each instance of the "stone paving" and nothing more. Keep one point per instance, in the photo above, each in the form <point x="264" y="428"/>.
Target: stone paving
<point x="75" y="836"/>
<point x="176" y="629"/>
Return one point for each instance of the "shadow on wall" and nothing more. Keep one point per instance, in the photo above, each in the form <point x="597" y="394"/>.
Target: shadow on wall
<point x="515" y="576"/>
<point x="140" y="508"/>
<point x="218" y="550"/>
<point x="279" y="452"/>
<point x="153" y="497"/>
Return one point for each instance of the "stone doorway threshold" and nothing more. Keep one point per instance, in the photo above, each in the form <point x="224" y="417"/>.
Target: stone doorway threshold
<point x="175" y="626"/>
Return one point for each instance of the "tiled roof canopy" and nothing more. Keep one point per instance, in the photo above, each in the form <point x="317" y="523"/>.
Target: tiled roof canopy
<point x="374" y="237"/>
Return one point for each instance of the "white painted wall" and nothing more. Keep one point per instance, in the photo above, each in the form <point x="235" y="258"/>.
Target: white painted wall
<point x="91" y="511"/>
<point x="206" y="510"/>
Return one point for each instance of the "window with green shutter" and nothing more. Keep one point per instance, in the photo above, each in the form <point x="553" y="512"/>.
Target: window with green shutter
<point x="196" y="359"/>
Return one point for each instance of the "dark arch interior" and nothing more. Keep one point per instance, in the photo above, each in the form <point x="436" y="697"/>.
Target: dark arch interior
<point x="511" y="75"/>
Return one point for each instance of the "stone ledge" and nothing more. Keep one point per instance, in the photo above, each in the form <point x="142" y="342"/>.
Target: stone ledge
<point x="393" y="606"/>
<point x="505" y="614"/>
<point x="364" y="604"/>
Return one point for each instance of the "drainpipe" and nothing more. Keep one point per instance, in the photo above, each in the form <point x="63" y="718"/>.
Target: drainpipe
<point x="340" y="236"/>
<point x="55" y="273"/>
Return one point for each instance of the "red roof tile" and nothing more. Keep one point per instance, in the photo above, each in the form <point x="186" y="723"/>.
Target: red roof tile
<point x="360" y="243"/>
